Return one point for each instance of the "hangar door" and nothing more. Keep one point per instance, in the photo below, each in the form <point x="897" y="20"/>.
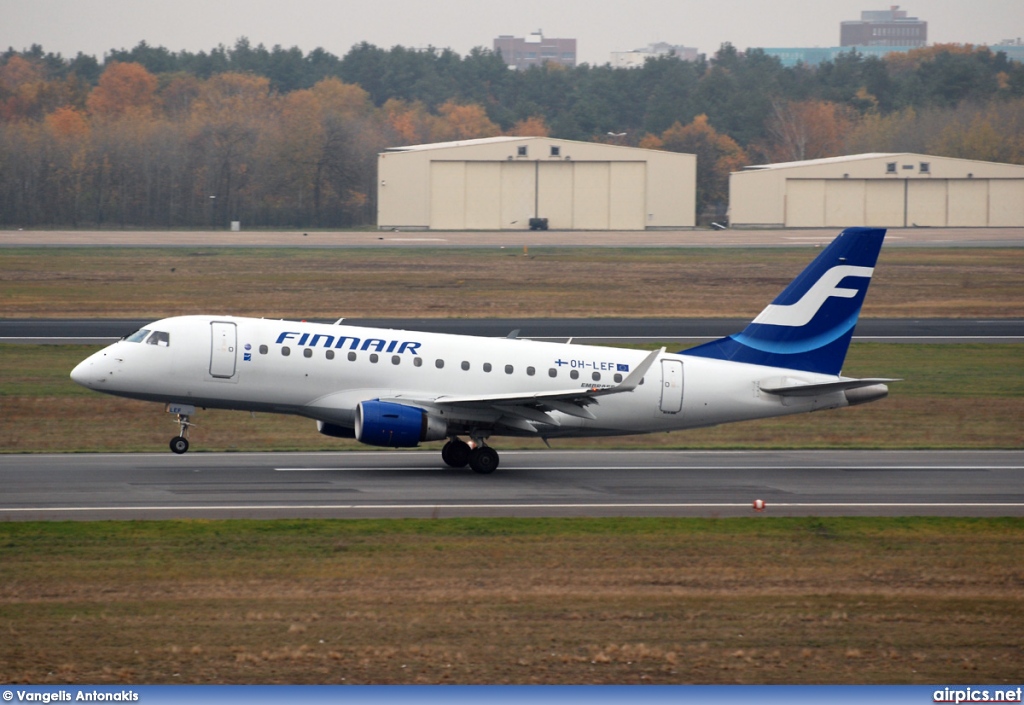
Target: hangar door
<point x="505" y="195"/>
<point x="817" y="203"/>
<point x="841" y="203"/>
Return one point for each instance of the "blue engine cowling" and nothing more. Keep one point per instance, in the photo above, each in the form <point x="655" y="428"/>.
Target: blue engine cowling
<point x="381" y="423"/>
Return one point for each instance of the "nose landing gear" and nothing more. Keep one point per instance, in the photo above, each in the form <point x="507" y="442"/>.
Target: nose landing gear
<point x="179" y="444"/>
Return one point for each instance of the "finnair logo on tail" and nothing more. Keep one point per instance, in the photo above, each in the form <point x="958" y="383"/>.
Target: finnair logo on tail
<point x="803" y="311"/>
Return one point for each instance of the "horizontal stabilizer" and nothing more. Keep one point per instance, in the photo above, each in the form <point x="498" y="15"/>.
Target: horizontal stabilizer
<point x="815" y="390"/>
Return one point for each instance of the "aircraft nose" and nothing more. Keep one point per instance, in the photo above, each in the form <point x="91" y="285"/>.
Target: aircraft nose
<point x="80" y="374"/>
<point x="90" y="372"/>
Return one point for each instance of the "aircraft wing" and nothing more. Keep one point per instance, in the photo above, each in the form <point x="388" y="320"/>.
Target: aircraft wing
<point x="533" y="406"/>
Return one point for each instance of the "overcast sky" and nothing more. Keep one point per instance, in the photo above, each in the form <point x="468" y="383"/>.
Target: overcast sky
<point x="600" y="26"/>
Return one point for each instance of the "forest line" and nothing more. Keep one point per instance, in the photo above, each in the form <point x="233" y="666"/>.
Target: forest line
<point x="279" y="138"/>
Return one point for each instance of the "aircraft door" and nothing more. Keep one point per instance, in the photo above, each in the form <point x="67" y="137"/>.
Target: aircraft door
<point x="223" y="344"/>
<point x="671" y="386"/>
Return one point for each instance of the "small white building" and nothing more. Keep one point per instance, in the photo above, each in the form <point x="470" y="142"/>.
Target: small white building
<point x="885" y="190"/>
<point x="638" y="57"/>
<point x="502" y="183"/>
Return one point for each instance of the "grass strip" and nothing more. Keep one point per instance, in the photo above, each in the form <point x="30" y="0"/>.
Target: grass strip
<point x="154" y="283"/>
<point x="647" y="600"/>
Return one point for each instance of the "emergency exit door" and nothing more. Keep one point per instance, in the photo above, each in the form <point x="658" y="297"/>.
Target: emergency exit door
<point x="671" y="386"/>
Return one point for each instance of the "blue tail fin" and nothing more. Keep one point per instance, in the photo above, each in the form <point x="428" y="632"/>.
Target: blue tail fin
<point x="809" y="325"/>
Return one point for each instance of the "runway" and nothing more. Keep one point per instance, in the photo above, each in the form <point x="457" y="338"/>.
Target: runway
<point x="391" y="484"/>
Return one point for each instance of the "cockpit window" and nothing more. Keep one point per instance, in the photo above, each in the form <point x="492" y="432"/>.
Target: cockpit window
<point x="160" y="338"/>
<point x="137" y="336"/>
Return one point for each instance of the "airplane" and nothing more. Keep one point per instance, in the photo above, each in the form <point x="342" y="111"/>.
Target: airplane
<point x="397" y="388"/>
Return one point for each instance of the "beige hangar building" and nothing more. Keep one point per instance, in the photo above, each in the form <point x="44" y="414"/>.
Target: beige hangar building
<point x="885" y="190"/>
<point x="501" y="183"/>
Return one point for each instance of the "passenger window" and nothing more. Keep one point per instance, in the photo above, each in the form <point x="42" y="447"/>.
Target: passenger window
<point x="351" y="357"/>
<point x="531" y="371"/>
<point x="552" y="372"/>
<point x="330" y="354"/>
<point x="508" y="369"/>
<point x="617" y="378"/>
<point x="308" y="352"/>
<point x="575" y="374"/>
<point x="138" y="336"/>
<point x="374" y="357"/>
<point x="597" y="376"/>
<point x="417" y="362"/>
<point x="465" y="365"/>
<point x="439" y="364"/>
<point x="487" y="367"/>
<point x="263" y="350"/>
<point x="395" y="360"/>
<point x="286" y="351"/>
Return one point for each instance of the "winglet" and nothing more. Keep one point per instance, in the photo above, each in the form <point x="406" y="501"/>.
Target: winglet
<point x="633" y="379"/>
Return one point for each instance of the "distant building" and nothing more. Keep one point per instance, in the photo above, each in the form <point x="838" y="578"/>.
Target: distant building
<point x="519" y="183"/>
<point x="1013" y="48"/>
<point x="535" y="50"/>
<point x="637" y="57"/>
<point x="886" y="28"/>
<point x="812" y="56"/>
<point x="896" y="190"/>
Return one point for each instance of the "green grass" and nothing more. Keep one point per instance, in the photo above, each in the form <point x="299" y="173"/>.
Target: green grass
<point x="491" y="282"/>
<point x="759" y="600"/>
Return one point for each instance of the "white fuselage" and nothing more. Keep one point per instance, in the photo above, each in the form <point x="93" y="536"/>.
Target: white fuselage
<point x="324" y="371"/>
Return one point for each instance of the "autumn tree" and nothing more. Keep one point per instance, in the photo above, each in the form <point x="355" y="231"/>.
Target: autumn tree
<point x="409" y="123"/>
<point x="717" y="156"/>
<point x="19" y="87"/>
<point x="326" y="142"/>
<point x="227" y="121"/>
<point x="123" y="88"/>
<point x="533" y="126"/>
<point x="992" y="133"/>
<point x="67" y="137"/>
<point x="462" y="122"/>
<point x="809" y="129"/>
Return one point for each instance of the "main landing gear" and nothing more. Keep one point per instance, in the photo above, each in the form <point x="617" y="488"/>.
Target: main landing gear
<point x="458" y="454"/>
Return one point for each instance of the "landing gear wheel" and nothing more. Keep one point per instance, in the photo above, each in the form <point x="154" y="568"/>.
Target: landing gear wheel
<point x="455" y="453"/>
<point x="179" y="444"/>
<point x="483" y="460"/>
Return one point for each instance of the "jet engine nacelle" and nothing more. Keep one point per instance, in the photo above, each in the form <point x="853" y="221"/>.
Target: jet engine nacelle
<point x="381" y="423"/>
